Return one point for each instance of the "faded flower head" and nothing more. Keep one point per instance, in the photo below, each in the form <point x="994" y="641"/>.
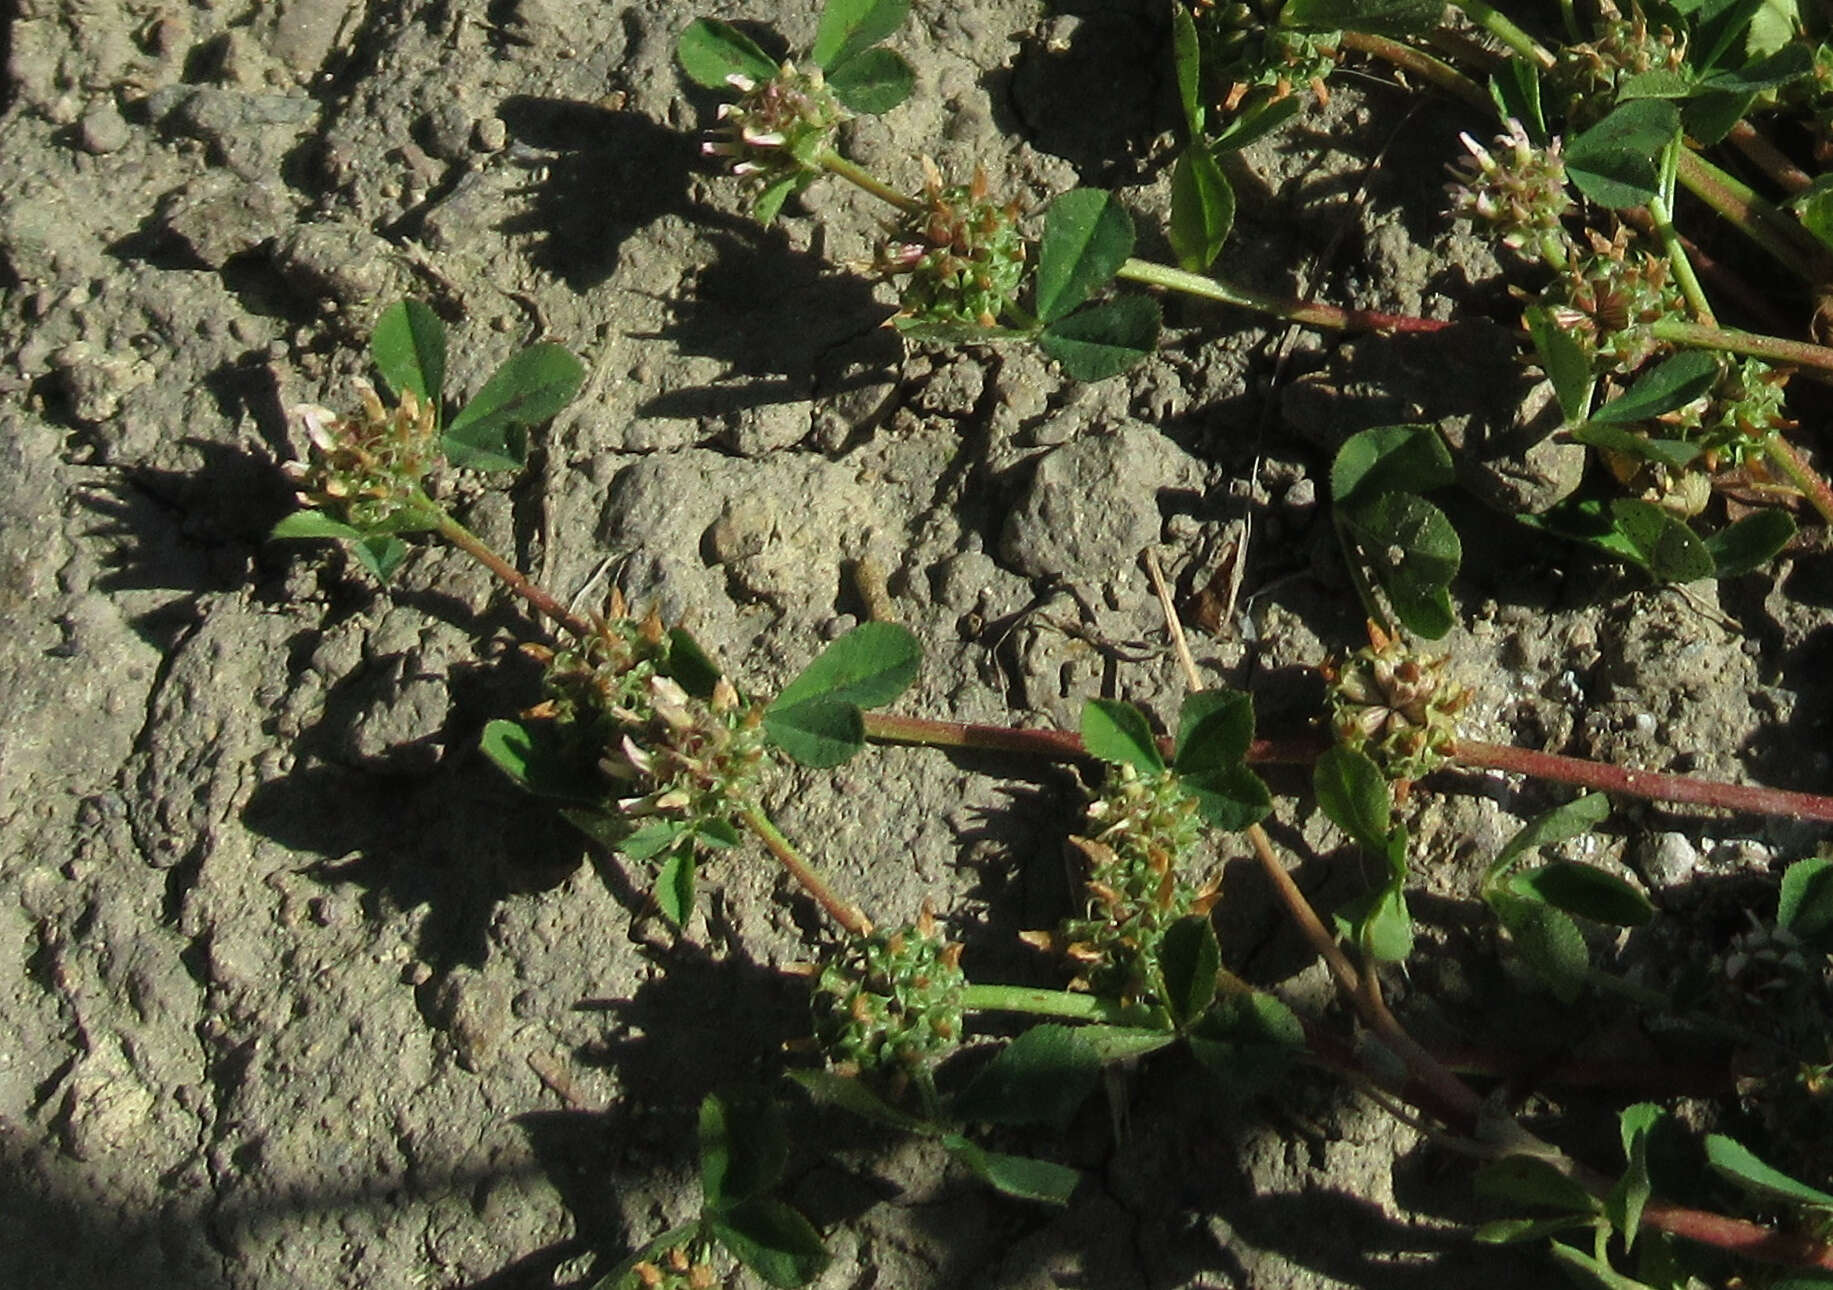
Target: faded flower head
<point x="1613" y="298"/>
<point x="1399" y="708"/>
<point x="366" y="469"/>
<point x="1585" y="75"/>
<point x="961" y="252"/>
<point x="1142" y="826"/>
<point x="776" y="128"/>
<point x="1518" y="191"/>
<point x="678" y="1269"/>
<point x="663" y="751"/>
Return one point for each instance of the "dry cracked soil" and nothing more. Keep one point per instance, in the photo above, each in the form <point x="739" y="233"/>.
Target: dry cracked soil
<point x="296" y="990"/>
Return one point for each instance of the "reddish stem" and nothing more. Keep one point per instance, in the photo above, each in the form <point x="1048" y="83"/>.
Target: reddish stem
<point x="1752" y="1240"/>
<point x="1654" y="785"/>
<point x="1768" y="157"/>
<point x="1658" y="786"/>
<point x="510" y="576"/>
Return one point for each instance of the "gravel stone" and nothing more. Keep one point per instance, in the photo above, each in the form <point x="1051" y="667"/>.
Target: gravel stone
<point x="1091" y="506"/>
<point x="103" y="130"/>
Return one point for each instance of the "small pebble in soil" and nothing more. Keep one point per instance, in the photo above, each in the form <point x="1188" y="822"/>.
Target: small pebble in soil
<point x="102" y="130"/>
<point x="1666" y="860"/>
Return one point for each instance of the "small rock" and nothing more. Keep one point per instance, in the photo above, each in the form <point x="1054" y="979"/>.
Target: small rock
<point x="446" y="131"/>
<point x="1092" y="504"/>
<point x="1518" y="467"/>
<point x="216" y="218"/>
<point x="742" y="530"/>
<point x="105" y="1104"/>
<point x="1023" y="386"/>
<point x="752" y="432"/>
<point x="954" y="391"/>
<point x="961" y="580"/>
<point x="1666" y="860"/>
<point x="528" y="21"/>
<point x="490" y="134"/>
<point x="341" y="263"/>
<point x="1301" y="498"/>
<point x="473" y="204"/>
<point x="306" y="31"/>
<point x="96" y="383"/>
<point x="474" y="1012"/>
<point x="247" y="132"/>
<point x="102" y="130"/>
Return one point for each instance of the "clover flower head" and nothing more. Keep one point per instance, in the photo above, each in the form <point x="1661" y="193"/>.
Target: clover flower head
<point x="1518" y="190"/>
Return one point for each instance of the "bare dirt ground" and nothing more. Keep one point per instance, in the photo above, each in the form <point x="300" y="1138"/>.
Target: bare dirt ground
<point x="296" y="991"/>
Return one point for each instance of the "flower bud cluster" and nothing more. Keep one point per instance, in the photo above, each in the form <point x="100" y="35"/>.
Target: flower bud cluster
<point x="1251" y="49"/>
<point x="366" y="469"/>
<point x="1518" y="191"/>
<point x="1585" y="75"/>
<point x="1146" y="823"/>
<point x="1746" y="408"/>
<point x="776" y="128"/>
<point x="891" y="1002"/>
<point x="675" y="1270"/>
<point x="1398" y="708"/>
<point x="665" y="752"/>
<point x="961" y="253"/>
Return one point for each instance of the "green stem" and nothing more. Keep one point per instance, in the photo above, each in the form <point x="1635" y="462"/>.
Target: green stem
<point x="506" y="573"/>
<point x="1759" y="220"/>
<point x="848" y="916"/>
<point x="1052" y="1003"/>
<point x="1479" y="12"/>
<point x="1802" y="475"/>
<point x="1311" y="314"/>
<point x="1677" y="259"/>
<point x="854" y="173"/>
<point x="1409" y="58"/>
<point x="1358" y="578"/>
<point x="1817" y="359"/>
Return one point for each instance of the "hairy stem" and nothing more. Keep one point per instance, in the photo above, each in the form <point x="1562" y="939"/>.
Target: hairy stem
<point x="1800" y="474"/>
<point x="1057" y="745"/>
<point x="1678" y="261"/>
<point x="1409" y="58"/>
<point x="1449" y="1097"/>
<point x="1051" y="1003"/>
<point x="1290" y="308"/>
<point x="856" y="174"/>
<point x="1760" y="221"/>
<point x="1817" y="360"/>
<point x="507" y="574"/>
<point x="1748" y="140"/>
<point x="1655" y="785"/>
<point x="1303" y="749"/>
<point x="848" y="916"/>
<point x="1497" y="25"/>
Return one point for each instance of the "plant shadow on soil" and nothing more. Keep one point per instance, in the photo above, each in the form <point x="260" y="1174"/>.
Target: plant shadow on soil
<point x="775" y="317"/>
<point x="1113" y="55"/>
<point x="442" y="828"/>
<point x="610" y="174"/>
